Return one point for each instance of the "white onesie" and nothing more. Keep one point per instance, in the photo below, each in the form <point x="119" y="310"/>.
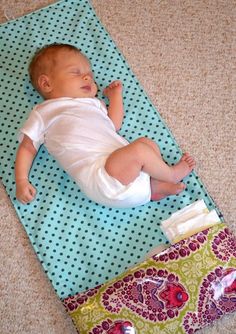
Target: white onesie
<point x="78" y="133"/>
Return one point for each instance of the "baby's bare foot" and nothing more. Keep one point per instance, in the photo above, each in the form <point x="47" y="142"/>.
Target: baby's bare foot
<point x="184" y="167"/>
<point x="163" y="189"/>
<point x="114" y="88"/>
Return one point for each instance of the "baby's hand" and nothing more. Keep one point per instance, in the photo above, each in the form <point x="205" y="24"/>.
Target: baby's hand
<point x="114" y="88"/>
<point x="25" y="192"/>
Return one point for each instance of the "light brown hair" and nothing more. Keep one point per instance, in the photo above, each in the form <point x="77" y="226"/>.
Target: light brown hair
<point x="44" y="59"/>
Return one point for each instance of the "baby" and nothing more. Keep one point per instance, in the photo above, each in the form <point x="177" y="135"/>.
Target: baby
<point x="81" y="134"/>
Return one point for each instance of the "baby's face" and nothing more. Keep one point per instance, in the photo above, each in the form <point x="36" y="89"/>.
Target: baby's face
<point x="72" y="76"/>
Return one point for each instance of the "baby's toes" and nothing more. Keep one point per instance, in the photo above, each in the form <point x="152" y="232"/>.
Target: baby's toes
<point x="190" y="161"/>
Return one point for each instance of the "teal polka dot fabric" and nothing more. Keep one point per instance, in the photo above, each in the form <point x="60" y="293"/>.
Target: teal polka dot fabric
<point x="80" y="243"/>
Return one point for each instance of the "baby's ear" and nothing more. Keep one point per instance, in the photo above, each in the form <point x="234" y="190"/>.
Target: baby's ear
<point x="44" y="83"/>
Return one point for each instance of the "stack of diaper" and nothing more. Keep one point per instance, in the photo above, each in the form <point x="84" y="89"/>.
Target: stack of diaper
<point x="190" y="220"/>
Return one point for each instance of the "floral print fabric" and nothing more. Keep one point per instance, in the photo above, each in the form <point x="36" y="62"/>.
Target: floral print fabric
<point x="184" y="288"/>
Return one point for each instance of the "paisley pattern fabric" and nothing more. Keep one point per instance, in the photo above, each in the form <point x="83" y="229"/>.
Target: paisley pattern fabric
<point x="184" y="288"/>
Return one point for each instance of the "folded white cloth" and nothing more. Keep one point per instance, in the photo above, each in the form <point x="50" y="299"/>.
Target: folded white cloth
<point x="188" y="221"/>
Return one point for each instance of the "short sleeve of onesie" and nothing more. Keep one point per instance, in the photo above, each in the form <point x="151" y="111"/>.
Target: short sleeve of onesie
<point x="33" y="128"/>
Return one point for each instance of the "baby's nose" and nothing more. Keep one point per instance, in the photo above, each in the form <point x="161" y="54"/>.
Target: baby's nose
<point x="87" y="76"/>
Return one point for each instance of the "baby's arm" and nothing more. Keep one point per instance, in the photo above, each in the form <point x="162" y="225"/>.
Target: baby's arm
<point x="115" y="110"/>
<point x="25" y="192"/>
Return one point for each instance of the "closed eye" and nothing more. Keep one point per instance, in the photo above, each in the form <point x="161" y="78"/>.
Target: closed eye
<point x="77" y="72"/>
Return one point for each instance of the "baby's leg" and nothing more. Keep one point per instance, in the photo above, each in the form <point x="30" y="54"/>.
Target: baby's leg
<point x="126" y="163"/>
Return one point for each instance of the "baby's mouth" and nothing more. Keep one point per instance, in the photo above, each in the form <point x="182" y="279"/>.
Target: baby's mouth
<point x="86" y="88"/>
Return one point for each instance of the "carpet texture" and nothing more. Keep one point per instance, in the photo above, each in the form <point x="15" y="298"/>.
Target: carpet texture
<point x="181" y="51"/>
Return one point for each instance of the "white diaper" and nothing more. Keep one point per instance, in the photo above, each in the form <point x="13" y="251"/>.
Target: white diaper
<point x="106" y="190"/>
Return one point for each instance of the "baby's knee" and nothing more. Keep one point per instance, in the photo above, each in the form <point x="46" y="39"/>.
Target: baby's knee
<point x="139" y="145"/>
<point x="149" y="142"/>
<point x="146" y="141"/>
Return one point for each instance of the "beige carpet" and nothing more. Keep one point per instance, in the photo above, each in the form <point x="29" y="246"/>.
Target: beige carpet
<point x="182" y="53"/>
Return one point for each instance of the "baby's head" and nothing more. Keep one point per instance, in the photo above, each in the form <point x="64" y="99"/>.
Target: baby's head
<point x="61" y="70"/>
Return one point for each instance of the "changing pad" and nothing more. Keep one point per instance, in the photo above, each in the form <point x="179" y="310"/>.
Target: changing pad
<point x="80" y="243"/>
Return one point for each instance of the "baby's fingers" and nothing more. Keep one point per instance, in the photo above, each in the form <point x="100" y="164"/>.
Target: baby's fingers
<point x="28" y="195"/>
<point x="32" y="191"/>
<point x="115" y="83"/>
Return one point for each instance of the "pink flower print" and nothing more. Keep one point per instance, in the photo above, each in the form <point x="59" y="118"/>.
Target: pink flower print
<point x="174" y="295"/>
